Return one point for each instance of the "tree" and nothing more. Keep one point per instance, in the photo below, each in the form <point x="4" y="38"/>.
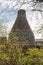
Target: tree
<point x="32" y="6"/>
<point x="40" y="30"/>
<point x="3" y="30"/>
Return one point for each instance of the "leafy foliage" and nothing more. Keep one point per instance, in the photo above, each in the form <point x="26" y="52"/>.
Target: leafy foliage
<point x="14" y="54"/>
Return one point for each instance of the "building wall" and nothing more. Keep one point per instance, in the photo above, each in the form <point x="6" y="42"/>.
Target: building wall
<point x="21" y="31"/>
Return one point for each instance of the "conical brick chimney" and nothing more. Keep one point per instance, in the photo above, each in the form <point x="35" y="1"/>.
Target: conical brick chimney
<point x="21" y="32"/>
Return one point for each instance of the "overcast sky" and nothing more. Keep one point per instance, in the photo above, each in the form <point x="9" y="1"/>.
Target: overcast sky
<point x="8" y="14"/>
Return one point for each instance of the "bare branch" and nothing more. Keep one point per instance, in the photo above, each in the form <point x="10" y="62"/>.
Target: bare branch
<point x="37" y="10"/>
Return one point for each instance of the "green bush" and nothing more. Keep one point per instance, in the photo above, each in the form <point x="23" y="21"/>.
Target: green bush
<point x="14" y="54"/>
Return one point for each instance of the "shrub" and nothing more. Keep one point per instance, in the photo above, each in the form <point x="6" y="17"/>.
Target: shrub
<point x="14" y="54"/>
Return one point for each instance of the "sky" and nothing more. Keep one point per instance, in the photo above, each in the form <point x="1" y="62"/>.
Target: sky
<point x="9" y="9"/>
